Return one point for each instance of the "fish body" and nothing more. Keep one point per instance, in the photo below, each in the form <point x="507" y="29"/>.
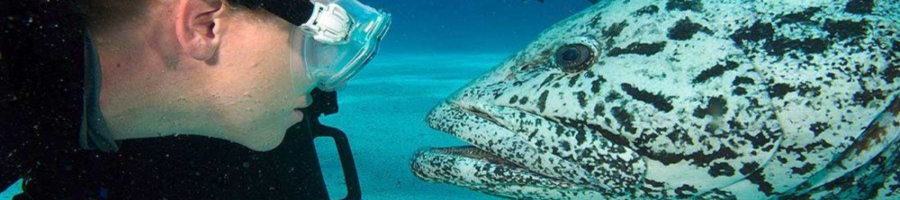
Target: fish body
<point x="677" y="99"/>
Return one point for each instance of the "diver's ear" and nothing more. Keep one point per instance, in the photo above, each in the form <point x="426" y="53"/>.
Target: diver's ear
<point x="197" y="28"/>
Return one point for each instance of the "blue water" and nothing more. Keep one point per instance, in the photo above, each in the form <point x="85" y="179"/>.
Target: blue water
<point x="433" y="48"/>
<point x="469" y="26"/>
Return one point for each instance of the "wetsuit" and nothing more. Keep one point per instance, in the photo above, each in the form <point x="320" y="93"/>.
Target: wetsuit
<point x="42" y="106"/>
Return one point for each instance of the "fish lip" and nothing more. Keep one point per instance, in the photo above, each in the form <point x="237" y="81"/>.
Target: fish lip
<point x="549" y="182"/>
<point x="465" y="119"/>
<point x="482" y="111"/>
<point x="473" y="109"/>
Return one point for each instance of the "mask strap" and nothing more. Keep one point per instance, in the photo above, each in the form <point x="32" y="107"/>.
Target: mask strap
<point x="323" y="103"/>
<point x="296" y="12"/>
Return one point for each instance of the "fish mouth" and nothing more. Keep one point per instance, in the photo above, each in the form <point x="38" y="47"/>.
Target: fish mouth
<point x="477" y="165"/>
<point x="472" y="152"/>
<point x="514" y="150"/>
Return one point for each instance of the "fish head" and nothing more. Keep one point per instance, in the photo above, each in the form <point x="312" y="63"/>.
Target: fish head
<point x="624" y="99"/>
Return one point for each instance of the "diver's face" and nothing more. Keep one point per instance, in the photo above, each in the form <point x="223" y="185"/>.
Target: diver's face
<point x="251" y="86"/>
<point x="212" y="71"/>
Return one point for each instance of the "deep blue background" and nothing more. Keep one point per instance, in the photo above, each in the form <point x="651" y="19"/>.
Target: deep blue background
<point x="466" y="26"/>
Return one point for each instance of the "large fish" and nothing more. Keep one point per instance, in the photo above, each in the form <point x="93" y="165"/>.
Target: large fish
<point x="705" y="99"/>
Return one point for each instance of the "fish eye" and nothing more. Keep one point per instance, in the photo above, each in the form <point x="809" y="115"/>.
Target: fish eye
<point x="574" y="57"/>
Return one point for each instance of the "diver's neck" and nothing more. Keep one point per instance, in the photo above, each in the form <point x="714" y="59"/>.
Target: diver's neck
<point x="143" y="84"/>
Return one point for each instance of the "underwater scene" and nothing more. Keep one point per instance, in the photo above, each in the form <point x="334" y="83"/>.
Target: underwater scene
<point x="625" y="99"/>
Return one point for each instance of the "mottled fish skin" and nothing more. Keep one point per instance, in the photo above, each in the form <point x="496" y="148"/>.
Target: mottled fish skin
<point x="705" y="99"/>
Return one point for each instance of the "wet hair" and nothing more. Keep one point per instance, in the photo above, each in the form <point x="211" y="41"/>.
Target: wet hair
<point x="107" y="13"/>
<point x="114" y="12"/>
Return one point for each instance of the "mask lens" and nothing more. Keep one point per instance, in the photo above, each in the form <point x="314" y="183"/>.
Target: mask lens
<point x="300" y="75"/>
<point x="330" y="64"/>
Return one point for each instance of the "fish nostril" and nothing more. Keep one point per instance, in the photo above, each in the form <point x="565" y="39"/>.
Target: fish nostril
<point x="526" y="67"/>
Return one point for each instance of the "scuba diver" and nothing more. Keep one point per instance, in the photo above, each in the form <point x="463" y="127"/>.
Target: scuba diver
<point x="176" y="99"/>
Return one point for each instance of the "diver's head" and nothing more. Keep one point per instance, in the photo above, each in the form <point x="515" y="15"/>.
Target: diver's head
<point x="221" y="68"/>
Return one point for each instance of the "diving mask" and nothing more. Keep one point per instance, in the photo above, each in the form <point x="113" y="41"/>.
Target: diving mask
<point x="333" y="45"/>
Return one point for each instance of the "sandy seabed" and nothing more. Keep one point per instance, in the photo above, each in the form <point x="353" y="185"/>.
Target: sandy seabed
<point x="382" y="110"/>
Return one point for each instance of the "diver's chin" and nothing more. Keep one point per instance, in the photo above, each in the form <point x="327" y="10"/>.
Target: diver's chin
<point x="298" y="113"/>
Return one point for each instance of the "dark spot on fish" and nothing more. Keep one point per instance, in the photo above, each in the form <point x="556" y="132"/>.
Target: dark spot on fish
<point x="748" y="168"/>
<point x="655" y="184"/>
<point x="595" y="21"/>
<point x="685" y="29"/>
<point x="513" y="99"/>
<point x="813" y="147"/>
<point x="692" y="5"/>
<point x="739" y="91"/>
<point x="890" y="75"/>
<point x="595" y="85"/>
<point x="818" y="127"/>
<point x="719" y="194"/>
<point x="658" y="101"/>
<point x="808" y="91"/>
<point x="580" y="137"/>
<point x="845" y="29"/>
<point x="556" y="85"/>
<point x="589" y="74"/>
<point x="516" y="83"/>
<point x="859" y="6"/>
<point x="613" y="96"/>
<point x="760" y="180"/>
<point x="678" y="136"/>
<point x="806" y="168"/>
<point x="547" y="80"/>
<point x="615" y="139"/>
<point x="760" y="140"/>
<point x="599" y="110"/>
<point x="565" y="146"/>
<point x="525" y="67"/>
<point x="779" y="90"/>
<point x="714" y="71"/>
<point x="582" y="99"/>
<point x="754" y="33"/>
<point x="721" y="169"/>
<point x="864" y="97"/>
<point x="572" y="81"/>
<point x="523" y="100"/>
<point x="715" y="106"/>
<point x="735" y="125"/>
<point x="800" y="17"/>
<point x="615" y="29"/>
<point x="740" y="80"/>
<point x="542" y="101"/>
<point x="647" y="10"/>
<point x="638" y="48"/>
<point x="624" y="119"/>
<point x="809" y="45"/>
<point x="698" y="158"/>
<point x="895" y="107"/>
<point x="685" y="191"/>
